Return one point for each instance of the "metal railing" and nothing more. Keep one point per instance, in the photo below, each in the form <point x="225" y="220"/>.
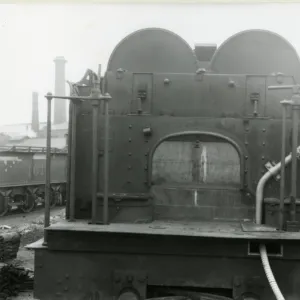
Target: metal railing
<point x="95" y="98"/>
<point x="294" y="104"/>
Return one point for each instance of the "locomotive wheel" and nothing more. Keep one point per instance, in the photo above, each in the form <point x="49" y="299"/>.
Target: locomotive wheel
<point x="4" y="207"/>
<point x="28" y="203"/>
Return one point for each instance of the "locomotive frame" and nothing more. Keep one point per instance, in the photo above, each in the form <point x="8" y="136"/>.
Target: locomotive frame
<point x="152" y="239"/>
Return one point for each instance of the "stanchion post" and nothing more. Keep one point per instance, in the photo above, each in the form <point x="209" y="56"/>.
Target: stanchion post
<point x="48" y="169"/>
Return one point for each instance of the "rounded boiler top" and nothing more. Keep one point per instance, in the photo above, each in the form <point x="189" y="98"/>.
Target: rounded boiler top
<point x="256" y="52"/>
<point x="153" y="50"/>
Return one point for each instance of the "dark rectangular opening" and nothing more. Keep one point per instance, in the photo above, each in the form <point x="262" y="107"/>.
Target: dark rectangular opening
<point x="273" y="248"/>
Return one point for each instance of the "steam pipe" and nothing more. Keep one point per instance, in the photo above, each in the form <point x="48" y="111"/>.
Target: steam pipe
<point x="48" y="169"/>
<point x="294" y="163"/>
<point x="259" y="203"/>
<point x="261" y="185"/>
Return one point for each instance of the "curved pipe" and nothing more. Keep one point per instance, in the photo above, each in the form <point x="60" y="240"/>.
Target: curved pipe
<point x="259" y="207"/>
<point x="261" y="185"/>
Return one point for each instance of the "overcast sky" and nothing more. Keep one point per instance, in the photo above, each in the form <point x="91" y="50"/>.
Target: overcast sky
<point x="31" y="36"/>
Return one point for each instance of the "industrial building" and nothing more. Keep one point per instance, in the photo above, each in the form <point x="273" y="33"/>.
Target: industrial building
<point x="34" y="134"/>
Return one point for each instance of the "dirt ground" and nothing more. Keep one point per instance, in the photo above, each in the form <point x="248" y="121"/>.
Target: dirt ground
<point x="31" y="228"/>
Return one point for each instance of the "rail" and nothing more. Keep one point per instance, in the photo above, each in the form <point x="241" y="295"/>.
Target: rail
<point x="95" y="98"/>
<point x="30" y="149"/>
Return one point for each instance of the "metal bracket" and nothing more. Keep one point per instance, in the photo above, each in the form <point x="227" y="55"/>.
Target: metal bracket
<point x="255" y="98"/>
<point x="135" y="281"/>
<point x="271" y="164"/>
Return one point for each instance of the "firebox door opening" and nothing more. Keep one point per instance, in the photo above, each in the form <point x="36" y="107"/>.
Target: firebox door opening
<point x="187" y="160"/>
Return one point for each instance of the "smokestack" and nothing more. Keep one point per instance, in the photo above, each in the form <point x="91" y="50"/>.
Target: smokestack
<point x="35" y="112"/>
<point x="60" y="81"/>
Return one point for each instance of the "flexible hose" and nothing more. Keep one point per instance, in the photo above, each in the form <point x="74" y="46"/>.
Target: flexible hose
<point x="269" y="273"/>
<point x="259" y="206"/>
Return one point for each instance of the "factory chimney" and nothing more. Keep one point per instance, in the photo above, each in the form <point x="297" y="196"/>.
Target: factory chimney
<point x="35" y="112"/>
<point x="60" y="90"/>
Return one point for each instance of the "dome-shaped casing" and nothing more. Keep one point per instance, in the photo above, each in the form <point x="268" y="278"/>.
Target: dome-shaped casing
<point x="256" y="52"/>
<point x="153" y="50"/>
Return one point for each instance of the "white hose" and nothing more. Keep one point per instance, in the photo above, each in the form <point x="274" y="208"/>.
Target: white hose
<point x="259" y="207"/>
<point x="269" y="273"/>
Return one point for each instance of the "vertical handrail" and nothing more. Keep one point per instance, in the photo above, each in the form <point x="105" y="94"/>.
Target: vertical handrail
<point x="283" y="155"/>
<point x="95" y="107"/>
<point x="48" y="170"/>
<point x="106" y="160"/>
<point x="295" y="130"/>
<point x="73" y="162"/>
<point x="69" y="160"/>
<point x="95" y="161"/>
<point x="294" y="103"/>
<point x="95" y="99"/>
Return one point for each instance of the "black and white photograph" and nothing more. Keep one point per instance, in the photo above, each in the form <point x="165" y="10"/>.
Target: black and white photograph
<point x="150" y="150"/>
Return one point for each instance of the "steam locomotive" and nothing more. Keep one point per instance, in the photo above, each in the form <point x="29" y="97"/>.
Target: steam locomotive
<point x="22" y="178"/>
<point x="182" y="175"/>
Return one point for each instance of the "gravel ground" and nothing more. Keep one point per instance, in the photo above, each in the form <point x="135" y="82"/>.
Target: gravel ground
<point x="30" y="226"/>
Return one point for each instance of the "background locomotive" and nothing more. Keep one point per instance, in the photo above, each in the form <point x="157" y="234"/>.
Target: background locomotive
<point x="179" y="193"/>
<point x="22" y="177"/>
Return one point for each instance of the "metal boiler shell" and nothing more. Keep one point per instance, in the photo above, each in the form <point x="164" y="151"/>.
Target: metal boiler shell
<point x="153" y="50"/>
<point x="257" y="52"/>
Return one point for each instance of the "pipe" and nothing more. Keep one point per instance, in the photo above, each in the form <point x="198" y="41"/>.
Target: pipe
<point x="259" y="203"/>
<point x="73" y="162"/>
<point x="69" y="160"/>
<point x="48" y="170"/>
<point x="261" y="184"/>
<point x="262" y="248"/>
<point x="294" y="163"/>
<point x="106" y="162"/>
<point x="282" y="175"/>
<point x="95" y="105"/>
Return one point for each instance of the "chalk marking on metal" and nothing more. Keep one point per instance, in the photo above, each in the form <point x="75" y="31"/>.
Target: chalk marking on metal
<point x="195" y="197"/>
<point x="204" y="163"/>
